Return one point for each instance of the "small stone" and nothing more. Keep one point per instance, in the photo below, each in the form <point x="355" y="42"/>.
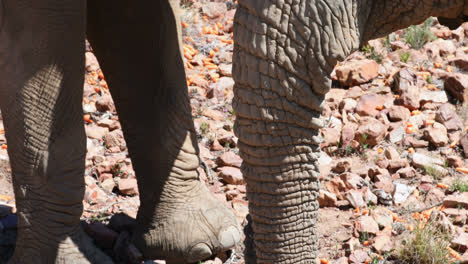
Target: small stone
<point x="225" y="69"/>
<point x="395" y="165"/>
<point x="96" y="132"/>
<point x="368" y="103"/>
<point x="366" y="224"/>
<point x="384" y="182"/>
<point x="433" y="96"/>
<point x="436" y="134"/>
<point x="241" y="209"/>
<point x="352" y="181"/>
<point x="397" y="135"/>
<point x="105" y="104"/>
<point x="229" y="159"/>
<point x="128" y="186"/>
<point x="108" y="185"/>
<point x="398" y="113"/>
<point x="331" y="137"/>
<point x="408" y="172"/>
<point x="391" y="153"/>
<point x="447" y="115"/>
<point x="341" y="166"/>
<point x="347" y="134"/>
<point x="383" y="243"/>
<point x="356" y="72"/>
<point x="231" y="175"/>
<point x="460" y="242"/>
<point x="371" y="131"/>
<point x="421" y="161"/>
<point x="382" y="216"/>
<point x="358" y="257"/>
<point x="455" y="161"/>
<point x="415" y="143"/>
<point x="337" y="187"/>
<point x="355" y="198"/>
<point x="456" y="200"/>
<point x="457" y="85"/>
<point x="402" y="192"/>
<point x="434" y="196"/>
<point x="342" y="260"/>
<point x="464" y="145"/>
<point x="115" y="139"/>
<point x="213" y="114"/>
<point x="327" y="199"/>
<point x="214" y="9"/>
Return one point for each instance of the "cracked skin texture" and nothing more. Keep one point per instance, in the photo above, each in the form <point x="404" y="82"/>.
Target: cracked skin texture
<point x="284" y="53"/>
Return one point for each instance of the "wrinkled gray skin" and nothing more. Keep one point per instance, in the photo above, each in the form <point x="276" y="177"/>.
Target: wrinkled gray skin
<point x="284" y="53"/>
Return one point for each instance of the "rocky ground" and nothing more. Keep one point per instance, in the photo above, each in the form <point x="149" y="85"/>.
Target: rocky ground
<point x="395" y="148"/>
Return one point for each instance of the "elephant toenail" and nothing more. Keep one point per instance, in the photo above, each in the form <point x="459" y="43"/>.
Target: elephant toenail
<point x="199" y="251"/>
<point x="229" y="237"/>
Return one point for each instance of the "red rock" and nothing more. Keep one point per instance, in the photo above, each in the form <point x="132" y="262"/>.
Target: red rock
<point x="229" y="159"/>
<point x="436" y="134"/>
<point x="214" y="9"/>
<point x="105" y="176"/>
<point x="408" y="172"/>
<point x="352" y="181"/>
<point x="347" y="134"/>
<point x="358" y="257"/>
<point x="368" y="103"/>
<point x="383" y="243"/>
<point x="105" y="104"/>
<point x="241" y="209"/>
<point x="398" y="113"/>
<point x="356" y="72"/>
<point x="225" y="70"/>
<point x="213" y="114"/>
<point x="231" y="175"/>
<point x="331" y="137"/>
<point x="115" y="139"/>
<point x="341" y="166"/>
<point x="327" y="199"/>
<point x="464" y="145"/>
<point x="434" y="196"/>
<point x="108" y="185"/>
<point x="447" y="115"/>
<point x="456" y="200"/>
<point x="96" y="132"/>
<point x="128" y="186"/>
<point x="355" y="198"/>
<point x="366" y="224"/>
<point x="391" y="153"/>
<point x="371" y="131"/>
<point x="460" y="242"/>
<point x="457" y="85"/>
<point x="337" y="187"/>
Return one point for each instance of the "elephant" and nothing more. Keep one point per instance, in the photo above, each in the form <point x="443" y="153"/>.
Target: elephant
<point x="284" y="53"/>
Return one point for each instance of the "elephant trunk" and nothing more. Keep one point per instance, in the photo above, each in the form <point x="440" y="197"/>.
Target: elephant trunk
<point x="281" y="67"/>
<point x="380" y="18"/>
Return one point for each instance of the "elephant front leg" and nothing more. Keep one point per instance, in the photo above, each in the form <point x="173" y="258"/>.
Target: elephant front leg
<point x="137" y="46"/>
<point x="41" y="80"/>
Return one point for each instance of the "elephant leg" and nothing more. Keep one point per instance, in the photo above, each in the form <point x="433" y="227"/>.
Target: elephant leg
<point x="41" y="80"/>
<point x="278" y="93"/>
<point x="138" y="48"/>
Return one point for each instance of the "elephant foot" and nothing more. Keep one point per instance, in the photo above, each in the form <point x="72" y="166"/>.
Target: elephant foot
<point x="74" y="249"/>
<point x="186" y="230"/>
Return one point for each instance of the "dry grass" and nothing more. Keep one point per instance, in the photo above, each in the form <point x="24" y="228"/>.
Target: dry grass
<point x="426" y="244"/>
